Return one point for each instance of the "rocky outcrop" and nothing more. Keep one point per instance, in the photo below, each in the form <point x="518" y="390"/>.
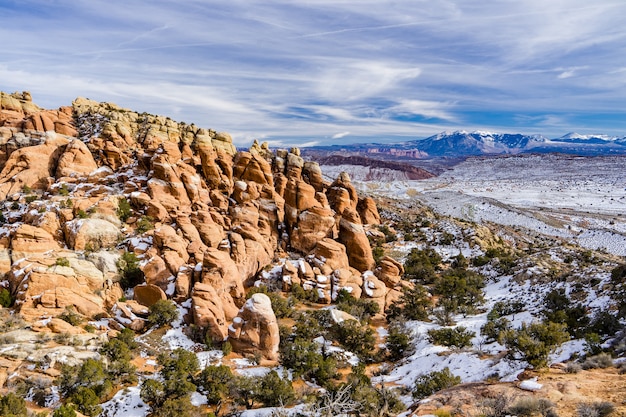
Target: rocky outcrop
<point x="255" y="329"/>
<point x="203" y="219"/>
<point x="352" y="235"/>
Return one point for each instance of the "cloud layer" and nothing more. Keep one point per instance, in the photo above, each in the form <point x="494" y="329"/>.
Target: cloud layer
<point x="296" y="72"/>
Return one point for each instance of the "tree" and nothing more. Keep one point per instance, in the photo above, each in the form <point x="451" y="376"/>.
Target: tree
<point x="421" y="265"/>
<point x="12" y="405"/>
<point x="162" y="313"/>
<point x="152" y="392"/>
<point x="5" y="298"/>
<point x="244" y="390"/>
<point x="413" y="304"/>
<point x="128" y="265"/>
<point x="460" y="289"/>
<point x="215" y="382"/>
<point x="398" y="342"/>
<point x="175" y="407"/>
<point x="535" y="342"/>
<point x="356" y="338"/>
<point x="86" y="401"/>
<point x="426" y="385"/>
<point x="64" y="411"/>
<point x="458" y="337"/>
<point x="274" y="391"/>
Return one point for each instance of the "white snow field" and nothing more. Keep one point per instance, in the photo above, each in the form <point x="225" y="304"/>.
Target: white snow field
<point x="582" y="198"/>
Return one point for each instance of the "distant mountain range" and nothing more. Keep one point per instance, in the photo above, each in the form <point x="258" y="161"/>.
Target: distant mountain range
<point x="462" y="144"/>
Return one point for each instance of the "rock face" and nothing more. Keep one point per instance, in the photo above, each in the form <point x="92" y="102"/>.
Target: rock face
<point x="203" y="220"/>
<point x="255" y="328"/>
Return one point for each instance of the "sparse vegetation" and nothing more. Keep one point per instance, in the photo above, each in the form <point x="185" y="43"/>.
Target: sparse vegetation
<point x="128" y="265"/>
<point x="162" y="313"/>
<point x="535" y="341"/>
<point x="457" y="337"/>
<point x="433" y="382"/>
<point x="124" y="210"/>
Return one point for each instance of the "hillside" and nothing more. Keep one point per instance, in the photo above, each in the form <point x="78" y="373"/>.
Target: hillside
<point x="151" y="269"/>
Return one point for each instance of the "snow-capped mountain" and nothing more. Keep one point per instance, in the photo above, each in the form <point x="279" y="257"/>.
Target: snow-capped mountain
<point x="459" y="144"/>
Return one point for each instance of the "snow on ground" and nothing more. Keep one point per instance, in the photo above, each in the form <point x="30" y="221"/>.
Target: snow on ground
<point x="126" y="403"/>
<point x="579" y="198"/>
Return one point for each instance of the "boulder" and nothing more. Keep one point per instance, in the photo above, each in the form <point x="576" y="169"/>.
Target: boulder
<point x="389" y="271"/>
<point x="148" y="294"/>
<point x="90" y="233"/>
<point x="368" y="211"/>
<point x="76" y="159"/>
<point x="352" y="235"/>
<point x="331" y="253"/>
<point x="255" y="329"/>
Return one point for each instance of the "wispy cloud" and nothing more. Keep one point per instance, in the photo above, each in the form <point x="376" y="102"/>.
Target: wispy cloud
<point x="340" y="135"/>
<point x="308" y="70"/>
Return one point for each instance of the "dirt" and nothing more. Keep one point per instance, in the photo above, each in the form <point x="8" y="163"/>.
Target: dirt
<point x="565" y="390"/>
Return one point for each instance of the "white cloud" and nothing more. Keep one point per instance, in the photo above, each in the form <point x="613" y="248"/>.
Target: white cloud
<point x="340" y="135"/>
<point x="308" y="70"/>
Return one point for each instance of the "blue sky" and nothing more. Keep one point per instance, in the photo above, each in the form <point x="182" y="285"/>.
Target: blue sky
<point x="336" y="71"/>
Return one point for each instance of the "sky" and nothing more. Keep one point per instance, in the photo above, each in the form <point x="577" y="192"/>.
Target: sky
<point x="329" y="71"/>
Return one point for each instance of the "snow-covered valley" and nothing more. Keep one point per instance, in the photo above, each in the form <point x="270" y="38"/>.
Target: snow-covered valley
<point x="578" y="198"/>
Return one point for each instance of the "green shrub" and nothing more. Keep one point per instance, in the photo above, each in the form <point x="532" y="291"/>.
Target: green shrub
<point x="433" y="382"/>
<point x="412" y="305"/>
<point x="389" y="235"/>
<point x="178" y="369"/>
<point x="124" y="210"/>
<point x="64" y="411"/>
<point x="421" y="265"/>
<point x="26" y="189"/>
<point x="378" y="252"/>
<point x="12" y="405"/>
<point x="458" y="337"/>
<point x="303" y="358"/>
<point x="501" y="309"/>
<point x="360" y="308"/>
<point x="535" y="342"/>
<point x="460" y="290"/>
<point x="275" y="391"/>
<point x="214" y="382"/>
<point x="5" y="298"/>
<point x="71" y="316"/>
<point x="81" y="214"/>
<point x="86" y="401"/>
<point x="62" y="262"/>
<point x="398" y="342"/>
<point x="63" y="190"/>
<point x="162" y="313"/>
<point x="176" y="407"/>
<point x="560" y="309"/>
<point x="144" y="224"/>
<point x="30" y="198"/>
<point x="128" y="265"/>
<point x="355" y="338"/>
<point x="494" y="328"/>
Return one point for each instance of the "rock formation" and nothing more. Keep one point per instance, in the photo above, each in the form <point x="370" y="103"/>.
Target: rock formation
<point x="203" y="219"/>
<point x="255" y="329"/>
